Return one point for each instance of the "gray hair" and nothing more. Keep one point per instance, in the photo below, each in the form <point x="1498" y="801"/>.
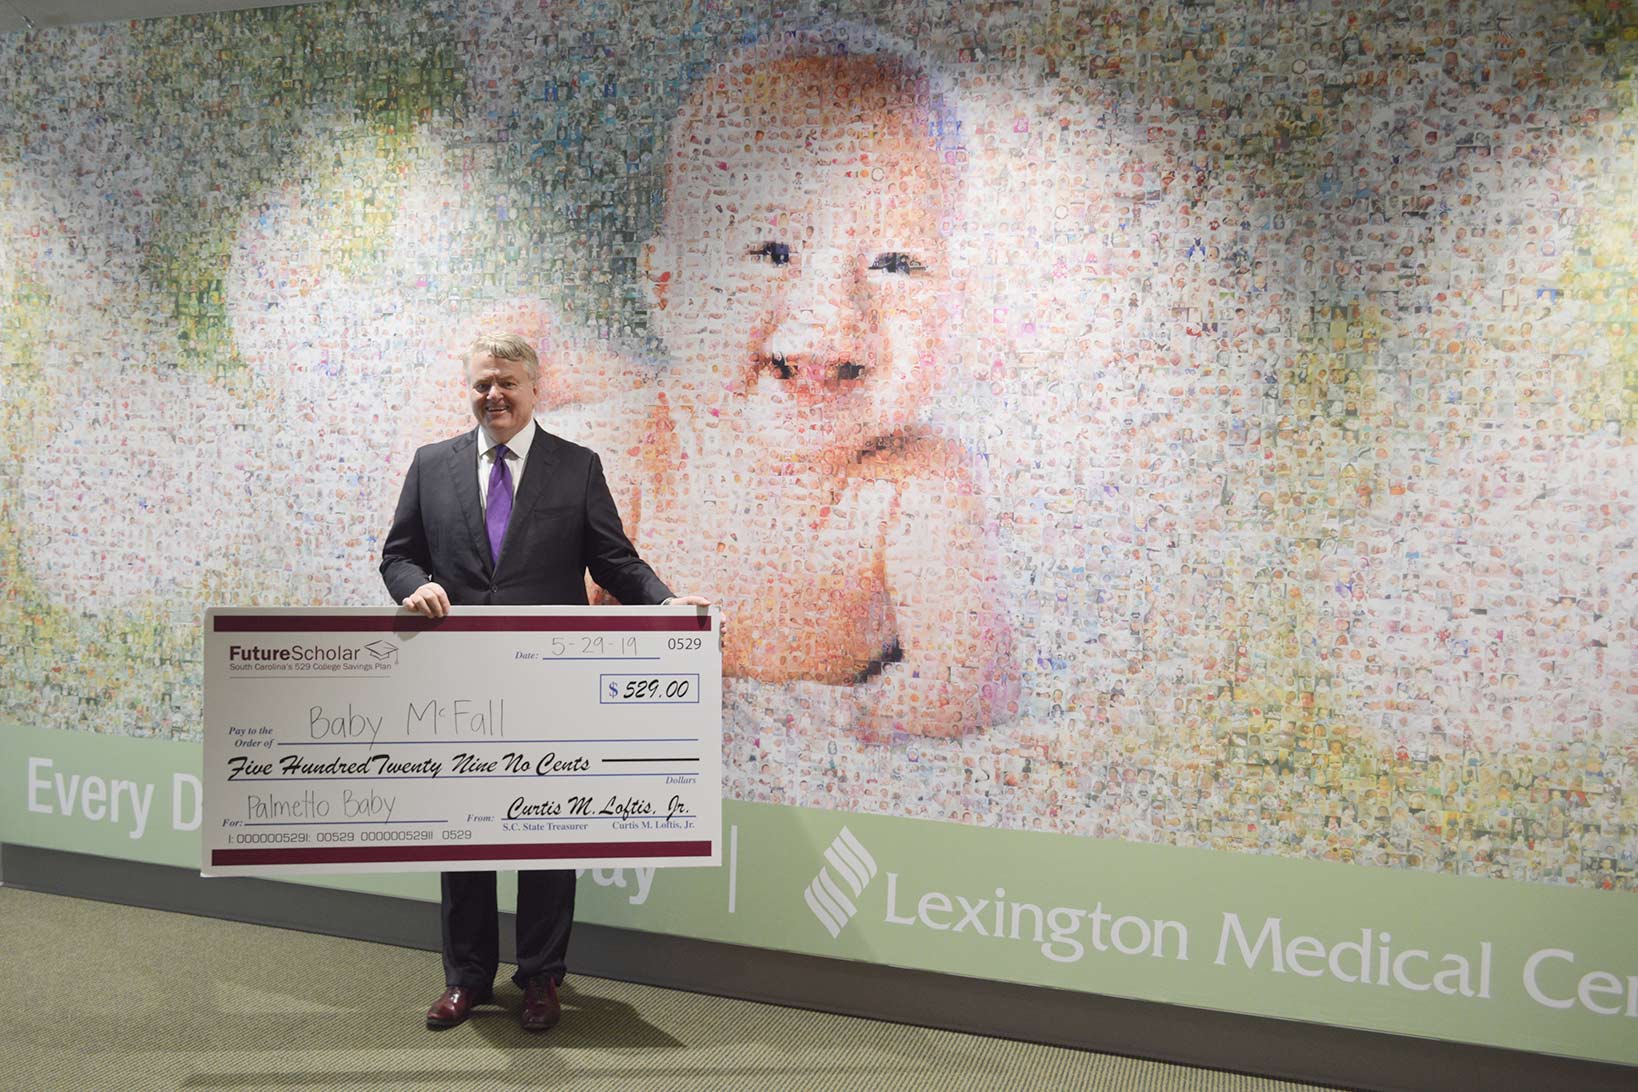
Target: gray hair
<point x="504" y="347"/>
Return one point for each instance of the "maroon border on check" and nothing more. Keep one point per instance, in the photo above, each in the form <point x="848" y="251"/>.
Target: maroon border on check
<point x="455" y="623"/>
<point x="391" y="854"/>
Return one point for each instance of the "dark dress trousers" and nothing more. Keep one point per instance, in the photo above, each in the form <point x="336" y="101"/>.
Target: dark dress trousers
<point x="563" y="523"/>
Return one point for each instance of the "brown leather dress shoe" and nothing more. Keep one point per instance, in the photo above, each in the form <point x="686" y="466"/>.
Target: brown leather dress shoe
<point x="541" y="1008"/>
<point x="453" y="1006"/>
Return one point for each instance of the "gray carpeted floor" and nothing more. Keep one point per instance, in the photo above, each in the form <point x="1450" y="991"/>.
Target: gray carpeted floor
<point x="113" y="997"/>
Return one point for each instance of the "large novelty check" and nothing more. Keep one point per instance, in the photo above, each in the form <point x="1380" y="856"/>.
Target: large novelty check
<point x="373" y="740"/>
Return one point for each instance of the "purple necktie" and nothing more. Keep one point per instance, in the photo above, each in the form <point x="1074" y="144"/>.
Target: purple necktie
<point x="499" y="510"/>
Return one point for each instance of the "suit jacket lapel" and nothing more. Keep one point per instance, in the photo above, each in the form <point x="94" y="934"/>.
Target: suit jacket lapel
<point x="463" y="469"/>
<point x="542" y="454"/>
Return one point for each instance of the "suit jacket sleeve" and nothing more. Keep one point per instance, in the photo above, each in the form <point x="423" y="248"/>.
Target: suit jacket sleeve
<point x="406" y="560"/>
<point x="609" y="555"/>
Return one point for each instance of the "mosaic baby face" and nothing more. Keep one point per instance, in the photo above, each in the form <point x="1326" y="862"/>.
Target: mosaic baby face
<point x="803" y="276"/>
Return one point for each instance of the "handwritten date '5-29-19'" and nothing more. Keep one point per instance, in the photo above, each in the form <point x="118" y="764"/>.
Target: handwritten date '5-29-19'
<point x="594" y="646"/>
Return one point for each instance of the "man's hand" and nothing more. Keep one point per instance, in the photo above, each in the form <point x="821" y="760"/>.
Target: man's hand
<point x="697" y="601"/>
<point x="429" y="599"/>
<point x="687" y="601"/>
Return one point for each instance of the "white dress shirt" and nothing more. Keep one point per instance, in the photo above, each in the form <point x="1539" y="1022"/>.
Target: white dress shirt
<point x="517" y="458"/>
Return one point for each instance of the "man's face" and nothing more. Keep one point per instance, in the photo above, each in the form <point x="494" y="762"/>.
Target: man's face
<point x="502" y="395"/>
<point x="803" y="265"/>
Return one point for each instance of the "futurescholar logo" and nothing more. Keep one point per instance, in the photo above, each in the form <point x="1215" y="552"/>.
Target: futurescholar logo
<point x="383" y="651"/>
<point x="377" y="656"/>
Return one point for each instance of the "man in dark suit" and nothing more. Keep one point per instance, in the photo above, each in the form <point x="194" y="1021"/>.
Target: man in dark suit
<point x="508" y="514"/>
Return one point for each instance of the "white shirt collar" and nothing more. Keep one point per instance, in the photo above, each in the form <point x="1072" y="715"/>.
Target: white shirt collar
<point x="517" y="445"/>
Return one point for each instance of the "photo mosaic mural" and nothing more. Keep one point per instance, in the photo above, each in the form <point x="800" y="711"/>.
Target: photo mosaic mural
<point x="1201" y="423"/>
